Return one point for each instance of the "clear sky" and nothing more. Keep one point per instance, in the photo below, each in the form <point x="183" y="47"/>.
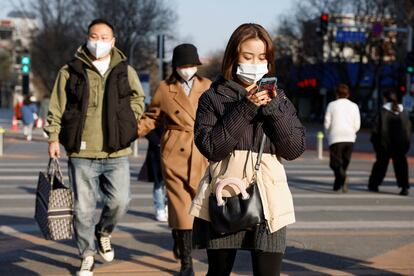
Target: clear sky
<point x="209" y="23"/>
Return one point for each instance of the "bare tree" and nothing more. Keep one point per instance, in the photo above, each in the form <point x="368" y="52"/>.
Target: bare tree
<point x="60" y="33"/>
<point x="212" y="68"/>
<point x="136" y="25"/>
<point x="63" y="28"/>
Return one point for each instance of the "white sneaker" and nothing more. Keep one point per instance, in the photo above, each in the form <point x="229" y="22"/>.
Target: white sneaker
<point x="105" y="248"/>
<point x="161" y="215"/>
<point x="86" y="268"/>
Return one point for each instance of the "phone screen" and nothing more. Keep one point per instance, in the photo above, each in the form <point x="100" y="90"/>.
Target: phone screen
<point x="267" y="84"/>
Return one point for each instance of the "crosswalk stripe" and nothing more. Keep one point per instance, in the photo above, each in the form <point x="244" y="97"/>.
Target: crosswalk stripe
<point x="289" y="173"/>
<point x="298" y="209"/>
<point x="156" y="227"/>
<point x="351" y="178"/>
<point x="295" y="196"/>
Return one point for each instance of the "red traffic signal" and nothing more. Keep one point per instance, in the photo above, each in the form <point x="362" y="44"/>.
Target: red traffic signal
<point x="323" y="25"/>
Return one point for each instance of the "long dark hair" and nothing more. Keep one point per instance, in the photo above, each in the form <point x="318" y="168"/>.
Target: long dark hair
<point x="391" y="96"/>
<point x="240" y="35"/>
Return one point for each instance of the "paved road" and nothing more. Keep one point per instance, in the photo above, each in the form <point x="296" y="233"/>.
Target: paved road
<point x="358" y="233"/>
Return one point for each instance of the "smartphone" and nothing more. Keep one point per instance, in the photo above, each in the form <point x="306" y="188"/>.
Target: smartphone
<point x="267" y="84"/>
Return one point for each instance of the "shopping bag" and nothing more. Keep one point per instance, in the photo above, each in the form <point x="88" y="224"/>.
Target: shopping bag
<point x="54" y="204"/>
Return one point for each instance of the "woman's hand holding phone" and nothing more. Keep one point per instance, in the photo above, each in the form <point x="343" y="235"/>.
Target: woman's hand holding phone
<point x="258" y="98"/>
<point x="264" y="92"/>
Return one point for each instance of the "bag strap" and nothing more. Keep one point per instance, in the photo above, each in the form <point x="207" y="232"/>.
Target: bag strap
<point x="258" y="161"/>
<point x="53" y="169"/>
<point x="259" y="155"/>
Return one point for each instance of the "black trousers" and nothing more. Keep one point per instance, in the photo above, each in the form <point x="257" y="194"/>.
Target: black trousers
<point x="340" y="156"/>
<point x="220" y="262"/>
<point x="379" y="169"/>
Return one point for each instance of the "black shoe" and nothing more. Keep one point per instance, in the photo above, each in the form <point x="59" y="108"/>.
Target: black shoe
<point x="373" y="189"/>
<point x="104" y="247"/>
<point x="404" y="192"/>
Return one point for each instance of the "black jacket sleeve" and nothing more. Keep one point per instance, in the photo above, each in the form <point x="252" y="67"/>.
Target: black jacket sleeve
<point x="283" y="127"/>
<point x="215" y="136"/>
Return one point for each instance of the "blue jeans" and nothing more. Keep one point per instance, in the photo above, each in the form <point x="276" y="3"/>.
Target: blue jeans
<point x="92" y="179"/>
<point x="158" y="195"/>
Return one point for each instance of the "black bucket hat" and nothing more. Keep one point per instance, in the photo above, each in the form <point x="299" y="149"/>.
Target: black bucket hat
<point x="184" y="54"/>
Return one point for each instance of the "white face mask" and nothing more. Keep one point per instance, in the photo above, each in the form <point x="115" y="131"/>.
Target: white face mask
<point x="187" y="73"/>
<point x="99" y="48"/>
<point x="251" y="73"/>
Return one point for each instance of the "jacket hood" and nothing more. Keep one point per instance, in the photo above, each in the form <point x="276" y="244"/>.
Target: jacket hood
<point x="82" y="54"/>
<point x="229" y="87"/>
<point x="388" y="107"/>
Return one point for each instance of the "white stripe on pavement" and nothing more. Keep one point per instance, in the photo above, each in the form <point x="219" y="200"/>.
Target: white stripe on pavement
<point x="290" y="177"/>
<point x="357" y="224"/>
<point x="295" y="195"/>
<point x="302" y="209"/>
<point x="288" y="171"/>
<point x="156" y="227"/>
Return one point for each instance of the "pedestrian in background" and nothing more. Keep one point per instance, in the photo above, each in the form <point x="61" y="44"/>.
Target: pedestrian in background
<point x="390" y="137"/>
<point x="175" y="103"/>
<point x="342" y="122"/>
<point x="94" y="109"/>
<point x="29" y="115"/>
<point x="151" y="172"/>
<point x="232" y="117"/>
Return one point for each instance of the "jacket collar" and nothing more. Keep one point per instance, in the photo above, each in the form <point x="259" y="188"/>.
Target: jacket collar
<point x="116" y="57"/>
<point x="229" y="88"/>
<point x="188" y="103"/>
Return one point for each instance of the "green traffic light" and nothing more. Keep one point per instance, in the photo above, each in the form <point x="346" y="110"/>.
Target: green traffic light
<point x="410" y="69"/>
<point x="25" y="69"/>
<point x="25" y="60"/>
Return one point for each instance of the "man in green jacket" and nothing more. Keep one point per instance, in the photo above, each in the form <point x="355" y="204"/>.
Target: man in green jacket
<point x="94" y="108"/>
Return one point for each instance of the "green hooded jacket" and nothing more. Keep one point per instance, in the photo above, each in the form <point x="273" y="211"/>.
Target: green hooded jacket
<point x="93" y="133"/>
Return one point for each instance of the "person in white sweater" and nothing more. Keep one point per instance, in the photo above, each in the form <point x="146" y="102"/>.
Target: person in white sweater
<point x="342" y="121"/>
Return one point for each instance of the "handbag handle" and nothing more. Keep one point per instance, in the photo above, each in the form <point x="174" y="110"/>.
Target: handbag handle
<point x="53" y="169"/>
<point x="234" y="182"/>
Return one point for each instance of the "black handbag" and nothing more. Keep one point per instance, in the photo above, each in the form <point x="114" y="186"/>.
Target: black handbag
<point x="240" y="212"/>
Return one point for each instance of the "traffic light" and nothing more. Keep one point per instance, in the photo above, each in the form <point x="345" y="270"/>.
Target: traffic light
<point x="25" y="61"/>
<point x="409" y="62"/>
<point x="324" y="22"/>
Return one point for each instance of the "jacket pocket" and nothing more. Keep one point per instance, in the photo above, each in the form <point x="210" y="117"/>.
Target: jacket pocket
<point x="127" y="127"/>
<point x="93" y="93"/>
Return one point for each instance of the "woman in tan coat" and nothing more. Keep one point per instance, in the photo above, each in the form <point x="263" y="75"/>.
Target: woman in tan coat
<point x="175" y="104"/>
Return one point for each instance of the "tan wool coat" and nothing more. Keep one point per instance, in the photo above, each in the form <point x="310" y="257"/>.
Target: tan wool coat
<point x="182" y="164"/>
